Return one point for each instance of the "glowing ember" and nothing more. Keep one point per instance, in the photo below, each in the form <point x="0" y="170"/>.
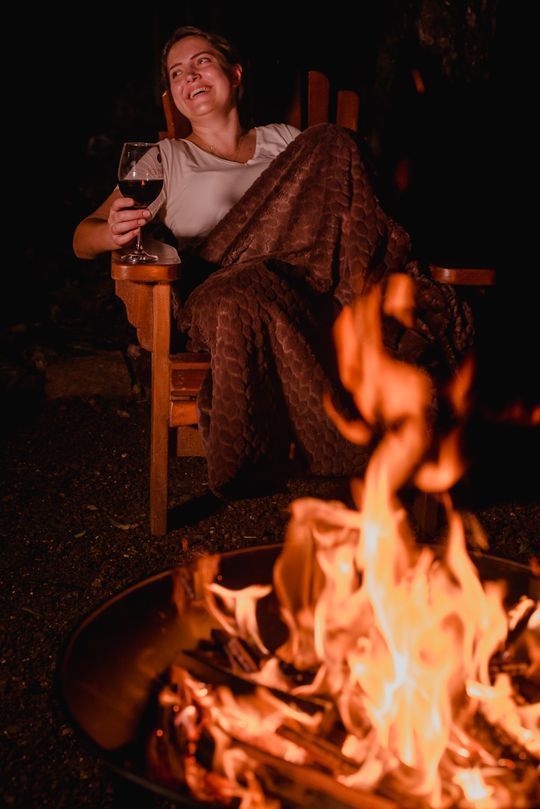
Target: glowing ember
<point x="392" y="683"/>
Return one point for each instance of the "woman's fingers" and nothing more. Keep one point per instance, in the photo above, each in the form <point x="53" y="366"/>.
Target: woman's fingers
<point x="124" y="220"/>
<point x="125" y="237"/>
<point x="127" y="213"/>
<point x="122" y="223"/>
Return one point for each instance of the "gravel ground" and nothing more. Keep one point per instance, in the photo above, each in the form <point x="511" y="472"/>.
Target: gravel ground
<point x="75" y="525"/>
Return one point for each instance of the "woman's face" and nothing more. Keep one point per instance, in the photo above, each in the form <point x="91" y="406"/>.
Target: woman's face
<point x="199" y="80"/>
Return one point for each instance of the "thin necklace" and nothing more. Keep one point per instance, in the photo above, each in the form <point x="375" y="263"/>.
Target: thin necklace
<point x="213" y="149"/>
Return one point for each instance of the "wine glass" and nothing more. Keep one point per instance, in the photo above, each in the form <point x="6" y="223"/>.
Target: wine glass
<point x="140" y="176"/>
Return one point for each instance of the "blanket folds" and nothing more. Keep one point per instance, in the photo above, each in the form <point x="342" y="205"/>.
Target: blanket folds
<point x="303" y="241"/>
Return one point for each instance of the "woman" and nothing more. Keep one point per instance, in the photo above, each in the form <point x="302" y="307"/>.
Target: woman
<point x="210" y="170"/>
<point x="287" y="230"/>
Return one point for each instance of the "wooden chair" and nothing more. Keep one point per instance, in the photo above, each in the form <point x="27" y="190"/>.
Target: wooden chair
<point x="146" y="292"/>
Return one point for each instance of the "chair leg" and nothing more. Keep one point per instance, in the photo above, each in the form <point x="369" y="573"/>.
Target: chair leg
<point x="159" y="473"/>
<point x="159" y="442"/>
<point x="427" y="511"/>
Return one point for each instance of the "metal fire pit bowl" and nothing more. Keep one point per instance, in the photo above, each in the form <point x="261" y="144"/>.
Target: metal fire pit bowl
<point x="116" y="660"/>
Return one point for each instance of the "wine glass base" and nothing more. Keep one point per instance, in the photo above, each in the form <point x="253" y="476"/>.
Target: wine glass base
<point x="139" y="258"/>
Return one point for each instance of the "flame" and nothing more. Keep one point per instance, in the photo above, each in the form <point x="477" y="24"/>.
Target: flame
<point x="398" y="638"/>
<point x="475" y="789"/>
<point x="415" y="630"/>
<point x="241" y="606"/>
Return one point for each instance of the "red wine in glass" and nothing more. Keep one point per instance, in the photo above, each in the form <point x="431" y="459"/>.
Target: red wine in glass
<point x="140" y="176"/>
<point x="142" y="191"/>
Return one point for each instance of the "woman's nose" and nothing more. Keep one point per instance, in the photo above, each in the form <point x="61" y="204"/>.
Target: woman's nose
<point x="192" y="74"/>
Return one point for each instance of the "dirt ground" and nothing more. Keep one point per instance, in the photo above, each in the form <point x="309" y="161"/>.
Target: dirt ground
<point x="75" y="526"/>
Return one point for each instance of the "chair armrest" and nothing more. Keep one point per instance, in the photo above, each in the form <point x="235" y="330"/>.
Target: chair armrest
<point x="166" y="269"/>
<point x="466" y="276"/>
<point x="145" y="273"/>
<point x="146" y="292"/>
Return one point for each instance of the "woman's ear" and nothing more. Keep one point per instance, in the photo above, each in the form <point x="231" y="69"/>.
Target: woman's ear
<point x="236" y="75"/>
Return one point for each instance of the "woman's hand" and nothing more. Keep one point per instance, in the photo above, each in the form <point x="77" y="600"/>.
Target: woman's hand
<point x="115" y="223"/>
<point x="124" y="220"/>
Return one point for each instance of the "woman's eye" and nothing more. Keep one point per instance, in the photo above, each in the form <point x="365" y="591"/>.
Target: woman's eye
<point x="204" y="59"/>
<point x="176" y="74"/>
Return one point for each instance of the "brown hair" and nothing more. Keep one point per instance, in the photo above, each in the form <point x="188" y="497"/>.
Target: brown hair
<point x="228" y="54"/>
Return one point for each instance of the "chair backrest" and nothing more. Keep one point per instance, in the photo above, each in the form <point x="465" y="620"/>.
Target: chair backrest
<point x="312" y="103"/>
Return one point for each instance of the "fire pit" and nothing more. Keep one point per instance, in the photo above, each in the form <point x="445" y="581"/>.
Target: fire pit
<point x="118" y="658"/>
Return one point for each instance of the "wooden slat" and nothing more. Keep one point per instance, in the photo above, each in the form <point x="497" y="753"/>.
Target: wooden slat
<point x="168" y="111"/>
<point x="348" y="109"/>
<point x="194" y="359"/>
<point x="189" y="442"/>
<point x="182" y="413"/>
<point x="468" y="276"/>
<point x="186" y="382"/>
<point x="294" y="114"/>
<point x="318" y="98"/>
<point x="178" y="125"/>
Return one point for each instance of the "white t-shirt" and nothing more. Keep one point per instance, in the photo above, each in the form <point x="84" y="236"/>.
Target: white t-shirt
<point x="199" y="187"/>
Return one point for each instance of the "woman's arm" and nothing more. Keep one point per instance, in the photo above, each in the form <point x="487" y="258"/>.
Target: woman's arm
<point x="112" y="225"/>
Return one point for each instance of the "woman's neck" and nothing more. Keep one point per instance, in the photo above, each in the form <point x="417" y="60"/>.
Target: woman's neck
<point x="223" y="131"/>
<point x="224" y="139"/>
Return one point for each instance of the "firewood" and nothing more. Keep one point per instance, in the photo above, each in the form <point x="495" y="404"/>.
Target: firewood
<point x="240" y="655"/>
<point x="320" y="750"/>
<point x="200" y="666"/>
<point x="498" y="742"/>
<point x="316" y="780"/>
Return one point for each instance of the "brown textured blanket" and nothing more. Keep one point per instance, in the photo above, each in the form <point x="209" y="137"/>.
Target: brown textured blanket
<point x="308" y="236"/>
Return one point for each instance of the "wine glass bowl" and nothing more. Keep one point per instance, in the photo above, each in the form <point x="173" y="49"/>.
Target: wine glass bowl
<point x="140" y="177"/>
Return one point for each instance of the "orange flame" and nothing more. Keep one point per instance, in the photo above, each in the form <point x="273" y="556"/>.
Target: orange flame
<point x="399" y="637"/>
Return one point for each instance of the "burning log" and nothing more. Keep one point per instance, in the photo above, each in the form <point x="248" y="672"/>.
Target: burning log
<point x="240" y="655"/>
<point x="505" y="751"/>
<point x="198" y="664"/>
<point x="318" y="782"/>
<point x="178" y="748"/>
<point x="320" y="751"/>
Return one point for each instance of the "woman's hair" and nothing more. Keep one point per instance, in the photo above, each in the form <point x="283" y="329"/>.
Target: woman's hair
<point x="228" y="54"/>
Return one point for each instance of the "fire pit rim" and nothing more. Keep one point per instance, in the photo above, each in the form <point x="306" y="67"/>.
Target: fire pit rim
<point x="115" y="760"/>
<point x="137" y="583"/>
